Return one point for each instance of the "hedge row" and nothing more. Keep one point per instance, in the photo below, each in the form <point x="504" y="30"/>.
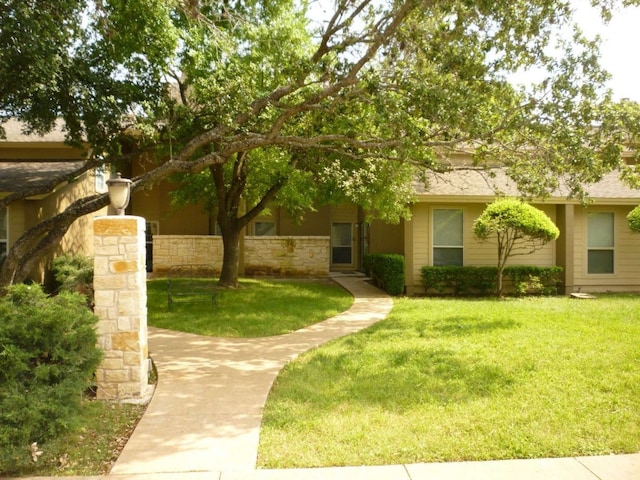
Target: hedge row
<point x="386" y="270"/>
<point x="468" y="280"/>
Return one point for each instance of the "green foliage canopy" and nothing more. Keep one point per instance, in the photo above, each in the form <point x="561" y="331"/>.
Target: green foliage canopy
<point x="511" y="215"/>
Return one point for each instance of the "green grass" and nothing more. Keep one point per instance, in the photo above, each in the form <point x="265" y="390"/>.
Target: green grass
<point x="259" y="308"/>
<point x="451" y="380"/>
<point x="88" y="449"/>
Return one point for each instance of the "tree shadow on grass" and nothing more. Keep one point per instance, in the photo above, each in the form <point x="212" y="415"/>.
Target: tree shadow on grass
<point x="404" y="378"/>
<point x="470" y="325"/>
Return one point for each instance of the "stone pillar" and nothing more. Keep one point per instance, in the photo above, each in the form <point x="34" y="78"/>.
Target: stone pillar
<point x="121" y="306"/>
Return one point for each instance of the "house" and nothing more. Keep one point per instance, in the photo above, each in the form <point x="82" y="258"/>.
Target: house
<point x="30" y="161"/>
<point x="596" y="249"/>
<point x="343" y="227"/>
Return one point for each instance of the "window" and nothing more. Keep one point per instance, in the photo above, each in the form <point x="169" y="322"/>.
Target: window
<point x="600" y="242"/>
<point x="263" y="229"/>
<point x="3" y="233"/>
<point x="101" y="179"/>
<point x="447" y="237"/>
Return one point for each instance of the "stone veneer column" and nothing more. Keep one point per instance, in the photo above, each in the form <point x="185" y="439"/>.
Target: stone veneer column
<point x="121" y="306"/>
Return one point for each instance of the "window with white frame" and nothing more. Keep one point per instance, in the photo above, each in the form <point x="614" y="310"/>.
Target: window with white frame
<point x="447" y="236"/>
<point x="600" y="242"/>
<point x="264" y="229"/>
<point x="4" y="230"/>
<point x="101" y="175"/>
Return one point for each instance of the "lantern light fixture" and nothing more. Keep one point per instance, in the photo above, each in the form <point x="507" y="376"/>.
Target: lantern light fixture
<point x="119" y="193"/>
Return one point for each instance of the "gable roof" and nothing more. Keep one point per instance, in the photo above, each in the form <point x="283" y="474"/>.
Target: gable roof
<point x="15" y="176"/>
<point x="470" y="185"/>
<point x="14" y="133"/>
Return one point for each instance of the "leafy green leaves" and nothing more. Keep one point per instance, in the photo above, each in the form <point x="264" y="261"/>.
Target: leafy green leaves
<point x="511" y="214"/>
<point x="48" y="356"/>
<point x="634" y="219"/>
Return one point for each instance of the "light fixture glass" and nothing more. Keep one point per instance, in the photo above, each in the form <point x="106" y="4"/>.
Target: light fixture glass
<point x="119" y="193"/>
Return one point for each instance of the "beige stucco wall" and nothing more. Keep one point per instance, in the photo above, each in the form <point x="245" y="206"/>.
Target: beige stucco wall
<point x="418" y="243"/>
<point x="24" y="214"/>
<point x="626" y="276"/>
<point x="15" y="220"/>
<point x="313" y="224"/>
<point x="280" y="256"/>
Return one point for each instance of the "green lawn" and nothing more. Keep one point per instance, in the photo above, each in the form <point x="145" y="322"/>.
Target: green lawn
<point x="448" y="380"/>
<point x="259" y="308"/>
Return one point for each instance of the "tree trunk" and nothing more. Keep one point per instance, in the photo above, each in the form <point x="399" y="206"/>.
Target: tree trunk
<point x="499" y="288"/>
<point x="40" y="239"/>
<point x="231" y="256"/>
<point x="506" y="241"/>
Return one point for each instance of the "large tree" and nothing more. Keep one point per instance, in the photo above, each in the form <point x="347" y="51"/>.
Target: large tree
<point x="265" y="96"/>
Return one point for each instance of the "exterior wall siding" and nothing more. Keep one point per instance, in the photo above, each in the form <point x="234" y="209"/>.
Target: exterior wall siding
<point x="277" y="256"/>
<point x="155" y="206"/>
<point x="475" y="253"/>
<point x="626" y="275"/>
<point x="386" y="238"/>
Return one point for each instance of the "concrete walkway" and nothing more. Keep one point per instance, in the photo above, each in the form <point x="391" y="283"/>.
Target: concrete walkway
<point x="207" y="408"/>
<point x="204" y="419"/>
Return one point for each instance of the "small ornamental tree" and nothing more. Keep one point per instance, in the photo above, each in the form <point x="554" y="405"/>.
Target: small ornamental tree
<point x="520" y="229"/>
<point x="633" y="219"/>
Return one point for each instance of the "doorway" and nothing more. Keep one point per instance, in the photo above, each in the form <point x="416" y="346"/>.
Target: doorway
<point x="342" y="244"/>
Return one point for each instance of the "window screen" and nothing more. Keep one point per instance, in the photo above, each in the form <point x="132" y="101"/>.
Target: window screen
<point x="447" y="237"/>
<point x="600" y="242"/>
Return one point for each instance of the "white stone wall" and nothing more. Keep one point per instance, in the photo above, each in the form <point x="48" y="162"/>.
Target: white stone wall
<point x="286" y="256"/>
<point x="277" y="256"/>
<point x="121" y="306"/>
<point x="174" y="250"/>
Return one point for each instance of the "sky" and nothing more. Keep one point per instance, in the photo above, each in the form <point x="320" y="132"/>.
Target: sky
<point x="620" y="49"/>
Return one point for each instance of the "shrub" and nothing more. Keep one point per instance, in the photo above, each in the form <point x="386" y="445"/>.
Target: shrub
<point x="459" y="280"/>
<point x="47" y="361"/>
<point x="633" y="219"/>
<point x="386" y="270"/>
<point x="519" y="229"/>
<point x="74" y="273"/>
<point x="530" y="279"/>
<point x="471" y="280"/>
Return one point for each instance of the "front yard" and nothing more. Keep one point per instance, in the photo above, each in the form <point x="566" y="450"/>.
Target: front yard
<point x="447" y="380"/>
<point x="258" y="308"/>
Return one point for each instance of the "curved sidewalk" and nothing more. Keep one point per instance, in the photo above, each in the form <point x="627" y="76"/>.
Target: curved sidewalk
<point x="206" y="412"/>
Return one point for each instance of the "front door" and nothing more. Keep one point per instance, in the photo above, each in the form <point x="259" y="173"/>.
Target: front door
<point x="342" y="244"/>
